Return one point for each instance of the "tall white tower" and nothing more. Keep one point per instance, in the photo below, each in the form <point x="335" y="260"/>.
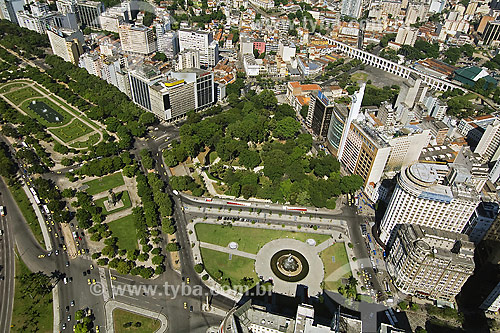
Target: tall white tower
<point x="357" y="98"/>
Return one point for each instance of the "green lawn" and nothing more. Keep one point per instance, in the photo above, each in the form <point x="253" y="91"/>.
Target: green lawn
<point x="26" y="208"/>
<point x="8" y="87"/>
<point x="249" y="239"/>
<point x="20" y="95"/>
<point x="234" y="269"/>
<point x="124" y="229"/>
<point x="126" y="203"/>
<point x="359" y="76"/>
<point x="335" y="271"/>
<point x="72" y="131"/>
<point x="92" y="140"/>
<point x="104" y="183"/>
<point x="72" y="110"/>
<point x="23" y="307"/>
<point x="66" y="117"/>
<point x="148" y="325"/>
<point x="42" y="89"/>
<point x="212" y="156"/>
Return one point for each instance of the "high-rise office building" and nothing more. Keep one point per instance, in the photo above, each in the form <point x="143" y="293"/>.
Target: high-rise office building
<point x="356" y="100"/>
<point x="406" y="147"/>
<point x="413" y="90"/>
<point x="172" y="99"/>
<point x="319" y="114"/>
<point x="424" y="196"/>
<point x="37" y="18"/>
<point x="137" y="39"/>
<point x="202" y="41"/>
<point x="492" y="302"/>
<point x="430" y="263"/>
<point x="9" y="9"/>
<point x="141" y="79"/>
<point x="89" y="12"/>
<point x="488" y="146"/>
<point x="66" y="44"/>
<point x="66" y="6"/>
<point x="491" y="33"/>
<point x="205" y="91"/>
<point x="336" y="127"/>
<point x="113" y="17"/>
<point x="351" y="8"/>
<point x="481" y="220"/>
<point x="365" y="152"/>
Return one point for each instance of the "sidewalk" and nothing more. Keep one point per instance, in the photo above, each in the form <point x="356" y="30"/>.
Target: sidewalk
<point x="39" y="216"/>
<point x="262" y="218"/>
<point x="48" y="246"/>
<point x="112" y="305"/>
<point x="228" y="250"/>
<point x="265" y="204"/>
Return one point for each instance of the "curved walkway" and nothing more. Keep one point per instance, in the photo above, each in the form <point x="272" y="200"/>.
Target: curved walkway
<point x="110" y="306"/>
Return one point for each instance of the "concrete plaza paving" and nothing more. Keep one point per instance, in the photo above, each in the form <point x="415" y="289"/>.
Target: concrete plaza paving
<point x="312" y="280"/>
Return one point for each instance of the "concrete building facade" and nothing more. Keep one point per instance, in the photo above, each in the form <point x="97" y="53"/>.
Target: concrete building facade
<point x="66" y="44"/>
<point x="137" y="39"/>
<point x="430" y="263"/>
<point x="423" y="197"/>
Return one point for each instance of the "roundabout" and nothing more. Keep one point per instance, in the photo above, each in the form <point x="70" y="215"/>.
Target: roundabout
<point x="290" y="263"/>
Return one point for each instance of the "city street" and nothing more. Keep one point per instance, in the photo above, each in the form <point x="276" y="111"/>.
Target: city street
<point x="6" y="262"/>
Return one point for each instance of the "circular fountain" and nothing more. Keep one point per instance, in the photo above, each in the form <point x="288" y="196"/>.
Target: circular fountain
<point x="289" y="265"/>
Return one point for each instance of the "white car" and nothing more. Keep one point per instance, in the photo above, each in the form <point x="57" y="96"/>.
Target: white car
<point x="2" y="210"/>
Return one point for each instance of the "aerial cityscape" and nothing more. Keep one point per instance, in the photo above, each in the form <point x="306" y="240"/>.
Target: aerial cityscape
<point x="249" y="166"/>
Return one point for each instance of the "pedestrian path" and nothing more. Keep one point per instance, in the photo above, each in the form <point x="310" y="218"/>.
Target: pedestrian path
<point x="110" y="306"/>
<point x="326" y="244"/>
<point x="104" y="284"/>
<point x="228" y="250"/>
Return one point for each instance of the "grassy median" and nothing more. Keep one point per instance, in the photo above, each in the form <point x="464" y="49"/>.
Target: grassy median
<point x="31" y="312"/>
<point x="26" y="208"/>
<point x="125" y="321"/>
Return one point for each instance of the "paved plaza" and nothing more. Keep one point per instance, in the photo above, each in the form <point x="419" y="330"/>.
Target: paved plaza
<point x="311" y="253"/>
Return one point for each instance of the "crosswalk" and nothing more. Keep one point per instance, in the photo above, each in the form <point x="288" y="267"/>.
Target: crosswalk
<point x="104" y="284"/>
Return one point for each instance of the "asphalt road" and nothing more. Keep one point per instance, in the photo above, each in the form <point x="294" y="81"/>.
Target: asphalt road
<point x="7" y="265"/>
<point x="53" y="265"/>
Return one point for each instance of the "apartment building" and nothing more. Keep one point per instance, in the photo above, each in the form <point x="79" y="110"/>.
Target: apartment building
<point x="202" y="41"/>
<point x="481" y="220"/>
<point x="425" y="196"/>
<point x="187" y="59"/>
<point x="66" y="44"/>
<point x="429" y="263"/>
<point x="137" y="39"/>
<point x="89" y="12"/>
<point x="351" y="8"/>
